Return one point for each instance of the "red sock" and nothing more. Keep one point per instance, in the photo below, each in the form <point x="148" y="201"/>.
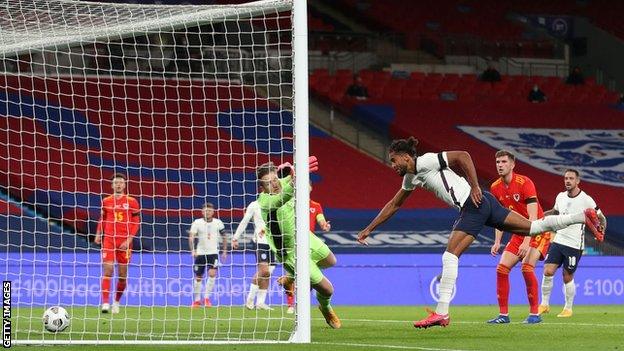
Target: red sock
<point x="531" y="286"/>
<point x="290" y="300"/>
<point x="106" y="289"/>
<point x="502" y="288"/>
<point x="121" y="286"/>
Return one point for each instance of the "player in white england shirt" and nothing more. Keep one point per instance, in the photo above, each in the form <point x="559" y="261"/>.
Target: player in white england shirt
<point x="568" y="244"/>
<point x="207" y="230"/>
<point x="264" y="256"/>
<point x="451" y="175"/>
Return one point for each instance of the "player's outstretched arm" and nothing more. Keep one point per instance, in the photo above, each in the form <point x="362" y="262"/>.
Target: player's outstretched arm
<point x="386" y="213"/>
<point x="242" y="226"/>
<point x="461" y="162"/>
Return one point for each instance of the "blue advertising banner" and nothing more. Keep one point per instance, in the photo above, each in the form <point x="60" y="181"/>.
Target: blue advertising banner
<point x="43" y="279"/>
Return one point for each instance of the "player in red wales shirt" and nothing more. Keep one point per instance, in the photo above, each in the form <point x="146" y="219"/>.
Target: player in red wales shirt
<point x="317" y="216"/>
<point x="517" y="192"/>
<point x="119" y="223"/>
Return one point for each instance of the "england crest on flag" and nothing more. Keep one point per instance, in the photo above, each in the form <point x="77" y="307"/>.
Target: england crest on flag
<point x="596" y="153"/>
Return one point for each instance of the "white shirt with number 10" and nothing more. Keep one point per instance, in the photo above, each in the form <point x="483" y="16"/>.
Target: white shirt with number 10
<point x="572" y="236"/>
<point x="433" y="174"/>
<point x="208" y="234"/>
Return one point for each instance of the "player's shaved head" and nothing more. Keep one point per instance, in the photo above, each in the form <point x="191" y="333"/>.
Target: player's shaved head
<point x="407" y="146"/>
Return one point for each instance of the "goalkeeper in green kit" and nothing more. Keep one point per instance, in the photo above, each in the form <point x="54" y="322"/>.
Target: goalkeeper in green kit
<point x="276" y="201"/>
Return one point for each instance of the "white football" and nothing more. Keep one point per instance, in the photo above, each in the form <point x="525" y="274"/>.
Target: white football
<point x="56" y="319"/>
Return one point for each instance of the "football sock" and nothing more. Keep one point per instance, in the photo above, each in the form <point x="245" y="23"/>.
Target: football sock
<point x="502" y="288"/>
<point x="121" y="286"/>
<point x="323" y="301"/>
<point x="554" y="223"/>
<point x="197" y="285"/>
<point x="262" y="294"/>
<point x="570" y="291"/>
<point x="290" y="299"/>
<point x="106" y="283"/>
<point x="530" y="280"/>
<point x="450" y="265"/>
<point x="209" y="285"/>
<point x="547" y="285"/>
<point x="253" y="290"/>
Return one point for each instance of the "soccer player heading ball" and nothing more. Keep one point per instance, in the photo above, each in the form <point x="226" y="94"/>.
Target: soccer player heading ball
<point x="452" y="177"/>
<point x="119" y="223"/>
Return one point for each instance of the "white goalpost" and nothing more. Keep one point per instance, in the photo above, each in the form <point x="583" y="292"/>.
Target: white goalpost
<point x="185" y="101"/>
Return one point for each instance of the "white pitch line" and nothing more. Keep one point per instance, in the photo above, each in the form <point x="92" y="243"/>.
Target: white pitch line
<point x="470" y="322"/>
<point x="559" y="323"/>
<point x="381" y="346"/>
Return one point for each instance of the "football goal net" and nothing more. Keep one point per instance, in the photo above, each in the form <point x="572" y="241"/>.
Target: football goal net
<point x="140" y="120"/>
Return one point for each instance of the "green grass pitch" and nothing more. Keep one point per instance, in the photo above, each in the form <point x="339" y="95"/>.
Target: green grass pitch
<point x="364" y="328"/>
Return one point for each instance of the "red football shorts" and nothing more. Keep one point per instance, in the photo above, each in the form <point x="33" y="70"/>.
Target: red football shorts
<point x="111" y="252"/>
<point x="540" y="242"/>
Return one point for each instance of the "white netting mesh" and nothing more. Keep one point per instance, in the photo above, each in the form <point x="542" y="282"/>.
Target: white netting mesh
<point x="184" y="100"/>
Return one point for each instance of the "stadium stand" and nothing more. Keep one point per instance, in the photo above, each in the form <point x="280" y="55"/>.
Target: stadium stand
<point x="93" y="143"/>
<point x="173" y="188"/>
<point x="482" y="19"/>
<point x="399" y="108"/>
<point x="383" y="88"/>
<point x="453" y="26"/>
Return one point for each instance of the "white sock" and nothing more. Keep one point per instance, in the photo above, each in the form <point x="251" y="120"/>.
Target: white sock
<point x="253" y="290"/>
<point x="262" y="294"/>
<point x="570" y="291"/>
<point x="209" y="285"/>
<point x="554" y="223"/>
<point x="197" y="285"/>
<point x="450" y="264"/>
<point x="547" y="285"/>
<point x="271" y="269"/>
